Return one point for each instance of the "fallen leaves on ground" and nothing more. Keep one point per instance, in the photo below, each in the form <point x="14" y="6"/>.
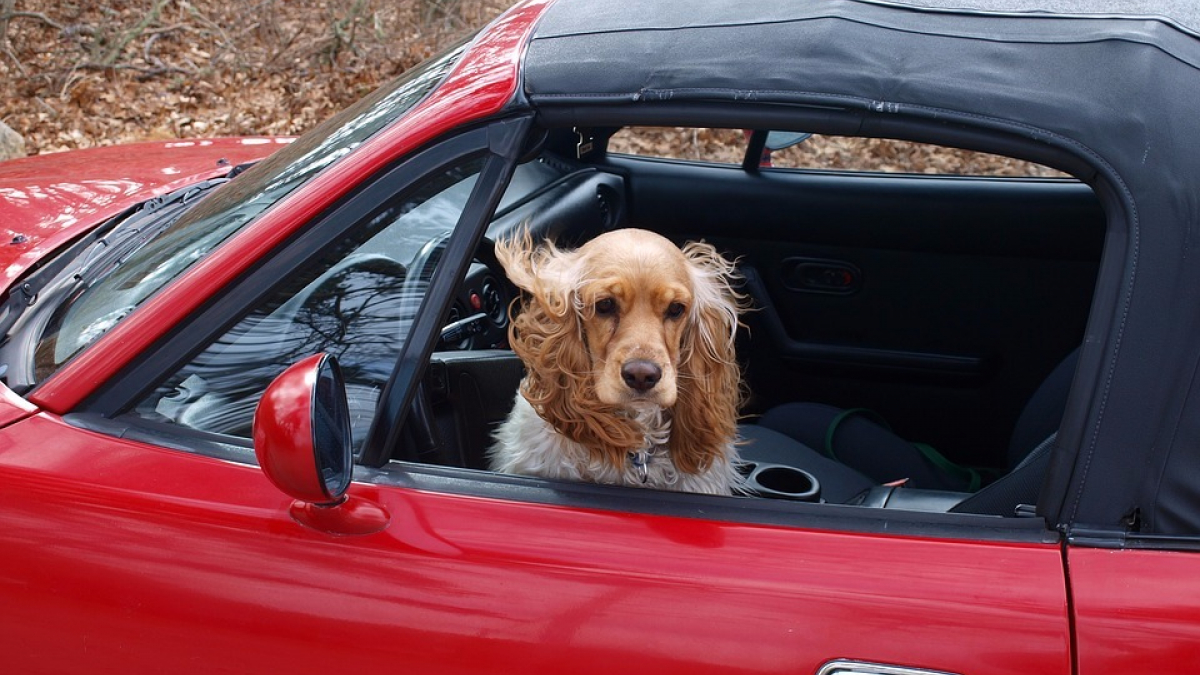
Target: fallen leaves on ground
<point x="78" y="75"/>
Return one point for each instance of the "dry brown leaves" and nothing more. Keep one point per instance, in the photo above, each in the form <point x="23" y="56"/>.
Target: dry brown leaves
<point x="823" y="152"/>
<point x="77" y="74"/>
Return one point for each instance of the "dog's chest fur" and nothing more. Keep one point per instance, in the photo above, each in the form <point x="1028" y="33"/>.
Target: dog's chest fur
<point x="527" y="444"/>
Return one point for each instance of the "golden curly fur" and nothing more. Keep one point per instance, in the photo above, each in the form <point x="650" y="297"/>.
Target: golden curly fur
<point x="628" y="343"/>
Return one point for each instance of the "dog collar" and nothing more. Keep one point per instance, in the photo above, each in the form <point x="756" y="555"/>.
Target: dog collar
<point x="640" y="459"/>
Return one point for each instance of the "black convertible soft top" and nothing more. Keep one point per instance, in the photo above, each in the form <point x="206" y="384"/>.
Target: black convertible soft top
<point x="1111" y="95"/>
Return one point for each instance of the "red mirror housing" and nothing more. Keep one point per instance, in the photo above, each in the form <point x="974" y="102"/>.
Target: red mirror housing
<point x="302" y="432"/>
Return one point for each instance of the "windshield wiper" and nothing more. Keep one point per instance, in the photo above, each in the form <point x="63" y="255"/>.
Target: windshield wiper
<point x="151" y="218"/>
<point x="99" y="251"/>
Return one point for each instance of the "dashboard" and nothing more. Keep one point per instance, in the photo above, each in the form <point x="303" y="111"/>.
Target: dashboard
<point x="478" y="317"/>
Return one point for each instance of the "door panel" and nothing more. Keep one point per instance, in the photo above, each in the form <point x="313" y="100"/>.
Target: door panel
<point x="1135" y="610"/>
<point x="121" y="553"/>
<point x="938" y="302"/>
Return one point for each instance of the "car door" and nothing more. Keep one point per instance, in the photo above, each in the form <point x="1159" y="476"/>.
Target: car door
<point x="136" y="540"/>
<point x="126" y="554"/>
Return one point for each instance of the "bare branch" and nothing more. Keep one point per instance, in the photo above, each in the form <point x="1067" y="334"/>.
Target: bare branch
<point x="7" y="14"/>
<point x="7" y="9"/>
<point x="114" y="52"/>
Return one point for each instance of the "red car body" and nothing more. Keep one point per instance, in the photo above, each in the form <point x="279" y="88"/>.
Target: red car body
<point x="120" y="555"/>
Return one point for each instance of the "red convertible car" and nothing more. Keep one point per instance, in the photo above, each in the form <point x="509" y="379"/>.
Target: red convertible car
<point x="191" y="485"/>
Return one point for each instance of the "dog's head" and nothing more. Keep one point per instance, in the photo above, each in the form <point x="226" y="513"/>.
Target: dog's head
<point x="625" y="323"/>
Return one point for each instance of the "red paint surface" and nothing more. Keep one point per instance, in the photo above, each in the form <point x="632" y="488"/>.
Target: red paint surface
<point x="283" y="434"/>
<point x="47" y="200"/>
<point x="1136" y="611"/>
<point x="122" y="556"/>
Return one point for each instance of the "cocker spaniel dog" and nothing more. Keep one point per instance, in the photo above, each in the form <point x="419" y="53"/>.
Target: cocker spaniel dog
<point x="631" y="376"/>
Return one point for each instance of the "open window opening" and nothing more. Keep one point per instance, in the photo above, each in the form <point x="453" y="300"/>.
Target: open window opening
<point x="914" y="334"/>
<point x="911" y="340"/>
<point x="917" y="332"/>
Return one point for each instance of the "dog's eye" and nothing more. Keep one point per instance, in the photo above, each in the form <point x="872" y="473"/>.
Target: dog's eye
<point x="606" y="306"/>
<point x="675" y="310"/>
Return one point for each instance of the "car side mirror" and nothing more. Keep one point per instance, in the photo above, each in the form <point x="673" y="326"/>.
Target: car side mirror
<point x="302" y="441"/>
<point x="302" y="432"/>
<point x="780" y="140"/>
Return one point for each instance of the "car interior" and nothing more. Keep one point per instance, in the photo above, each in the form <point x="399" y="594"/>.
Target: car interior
<point x="927" y="323"/>
<point x="910" y="344"/>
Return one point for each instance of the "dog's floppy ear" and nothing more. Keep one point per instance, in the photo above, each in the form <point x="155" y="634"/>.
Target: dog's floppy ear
<point x="519" y="258"/>
<point x="547" y="334"/>
<point x="704" y="420"/>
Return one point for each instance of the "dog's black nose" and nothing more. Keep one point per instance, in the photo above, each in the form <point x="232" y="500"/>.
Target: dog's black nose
<point x="640" y="374"/>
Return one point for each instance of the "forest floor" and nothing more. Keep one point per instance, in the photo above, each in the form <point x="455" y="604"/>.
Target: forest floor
<point x="77" y="74"/>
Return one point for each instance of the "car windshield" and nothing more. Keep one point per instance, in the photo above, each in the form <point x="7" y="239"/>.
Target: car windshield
<point x="96" y="308"/>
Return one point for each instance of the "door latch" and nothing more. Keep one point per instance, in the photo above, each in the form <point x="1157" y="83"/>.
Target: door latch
<point x="821" y="276"/>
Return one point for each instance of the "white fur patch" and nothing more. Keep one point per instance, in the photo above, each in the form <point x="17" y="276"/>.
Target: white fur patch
<point x="526" y="444"/>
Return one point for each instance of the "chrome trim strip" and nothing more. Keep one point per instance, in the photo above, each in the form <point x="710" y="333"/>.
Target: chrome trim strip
<point x="849" y="667"/>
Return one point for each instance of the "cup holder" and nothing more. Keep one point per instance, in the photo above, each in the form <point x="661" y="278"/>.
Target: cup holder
<point x="779" y="481"/>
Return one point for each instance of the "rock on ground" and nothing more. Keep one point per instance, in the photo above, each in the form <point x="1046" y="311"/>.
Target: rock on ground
<point x="12" y="145"/>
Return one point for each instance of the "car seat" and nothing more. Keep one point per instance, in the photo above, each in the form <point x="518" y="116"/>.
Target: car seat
<point x="862" y="452"/>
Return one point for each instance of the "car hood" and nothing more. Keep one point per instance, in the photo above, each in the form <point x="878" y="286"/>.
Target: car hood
<point x="48" y="200"/>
